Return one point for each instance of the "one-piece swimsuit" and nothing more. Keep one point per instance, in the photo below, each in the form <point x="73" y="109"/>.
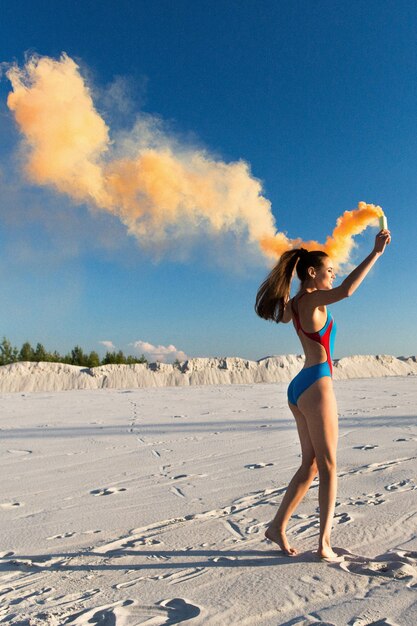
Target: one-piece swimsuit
<point x="308" y="375"/>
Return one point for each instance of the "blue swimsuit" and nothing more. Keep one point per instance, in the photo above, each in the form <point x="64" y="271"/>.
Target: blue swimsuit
<point x="308" y="375"/>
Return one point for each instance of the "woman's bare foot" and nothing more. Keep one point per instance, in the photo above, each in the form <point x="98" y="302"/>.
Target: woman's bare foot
<point x="279" y="537"/>
<point x="325" y="552"/>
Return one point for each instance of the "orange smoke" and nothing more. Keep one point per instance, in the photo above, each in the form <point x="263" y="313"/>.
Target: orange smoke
<point x="339" y="244"/>
<point x="161" y="190"/>
<point x="155" y="187"/>
<point x="65" y="136"/>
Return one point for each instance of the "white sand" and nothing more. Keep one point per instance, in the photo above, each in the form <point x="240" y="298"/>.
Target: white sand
<point x="148" y="507"/>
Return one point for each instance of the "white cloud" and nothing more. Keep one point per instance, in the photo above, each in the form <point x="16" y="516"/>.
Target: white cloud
<point x="108" y="344"/>
<point x="160" y="353"/>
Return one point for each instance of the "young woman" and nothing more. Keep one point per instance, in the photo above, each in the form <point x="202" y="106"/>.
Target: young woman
<point x="310" y="394"/>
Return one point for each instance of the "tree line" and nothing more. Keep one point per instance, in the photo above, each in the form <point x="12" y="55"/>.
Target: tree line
<point x="77" y="356"/>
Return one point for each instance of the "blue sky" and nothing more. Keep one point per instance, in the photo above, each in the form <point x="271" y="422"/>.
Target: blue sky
<point x="319" y="98"/>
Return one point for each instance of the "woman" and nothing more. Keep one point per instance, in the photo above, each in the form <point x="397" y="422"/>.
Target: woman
<point x="310" y="394"/>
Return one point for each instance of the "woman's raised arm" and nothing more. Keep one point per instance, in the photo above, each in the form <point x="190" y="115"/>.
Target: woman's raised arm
<point x="354" y="279"/>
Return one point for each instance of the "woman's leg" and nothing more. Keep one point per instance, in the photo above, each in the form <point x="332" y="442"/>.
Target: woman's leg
<point x="318" y="405"/>
<point x="297" y="488"/>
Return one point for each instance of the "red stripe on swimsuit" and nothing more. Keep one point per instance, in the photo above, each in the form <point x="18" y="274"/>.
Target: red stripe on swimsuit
<point x="323" y="339"/>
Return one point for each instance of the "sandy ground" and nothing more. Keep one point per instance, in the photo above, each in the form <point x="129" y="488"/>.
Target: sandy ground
<point x="148" y="507"/>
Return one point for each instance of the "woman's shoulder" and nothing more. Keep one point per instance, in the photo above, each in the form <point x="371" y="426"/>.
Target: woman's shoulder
<point x="308" y="303"/>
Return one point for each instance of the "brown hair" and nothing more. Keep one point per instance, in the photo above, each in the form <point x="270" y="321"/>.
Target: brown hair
<point x="274" y="292"/>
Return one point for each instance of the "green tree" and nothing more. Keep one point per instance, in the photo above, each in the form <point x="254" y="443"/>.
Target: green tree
<point x="67" y="358"/>
<point x="109" y="357"/>
<point x="120" y="358"/>
<point x="8" y="353"/>
<point x="55" y="357"/>
<point x="40" y="353"/>
<point x="78" y="357"/>
<point x="132" y="360"/>
<point x="93" y="359"/>
<point x="114" y="357"/>
<point x="26" y="353"/>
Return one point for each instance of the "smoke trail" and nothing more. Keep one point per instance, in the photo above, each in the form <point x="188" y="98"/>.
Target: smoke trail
<point x="160" y="189"/>
<point x="339" y="244"/>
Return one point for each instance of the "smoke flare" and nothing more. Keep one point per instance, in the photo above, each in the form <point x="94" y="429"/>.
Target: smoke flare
<point x="160" y="189"/>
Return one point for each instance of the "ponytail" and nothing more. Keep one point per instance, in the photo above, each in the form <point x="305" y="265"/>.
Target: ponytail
<point x="274" y="292"/>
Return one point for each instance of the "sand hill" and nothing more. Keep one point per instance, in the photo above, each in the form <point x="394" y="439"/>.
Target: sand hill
<point x="29" y="376"/>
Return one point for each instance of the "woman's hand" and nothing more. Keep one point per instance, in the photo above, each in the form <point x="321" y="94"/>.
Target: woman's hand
<point x="382" y="239"/>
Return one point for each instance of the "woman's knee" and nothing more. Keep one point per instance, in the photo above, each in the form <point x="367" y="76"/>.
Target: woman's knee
<point x="327" y="466"/>
<point x="309" y="467"/>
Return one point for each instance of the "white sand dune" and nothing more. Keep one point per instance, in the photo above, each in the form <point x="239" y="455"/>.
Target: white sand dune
<point x="148" y="506"/>
<point x="29" y="376"/>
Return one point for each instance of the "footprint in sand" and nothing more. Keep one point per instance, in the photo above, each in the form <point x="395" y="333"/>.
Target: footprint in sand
<point x="366" y="446"/>
<point x="129" y="583"/>
<point x="39" y="563"/>
<point x="369" y="620"/>
<point x="172" y="578"/>
<point x="303" y="527"/>
<point x="252" y="466"/>
<point x="19" y="452"/>
<point x="126" y="543"/>
<point x="402" y="485"/>
<point x="62" y="536"/>
<point x="371" y="499"/>
<point x="343" y="518"/>
<point x="10" y="505"/>
<point x="253" y="526"/>
<point x="177" y="492"/>
<point x="158" y="557"/>
<point x="107" y="491"/>
<point x="185" y="575"/>
<point x="406" y="439"/>
<point x="170" y="611"/>
<point x="400" y="565"/>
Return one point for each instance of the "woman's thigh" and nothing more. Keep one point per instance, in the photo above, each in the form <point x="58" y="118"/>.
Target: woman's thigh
<point x="319" y="407"/>
<point x="307" y="450"/>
